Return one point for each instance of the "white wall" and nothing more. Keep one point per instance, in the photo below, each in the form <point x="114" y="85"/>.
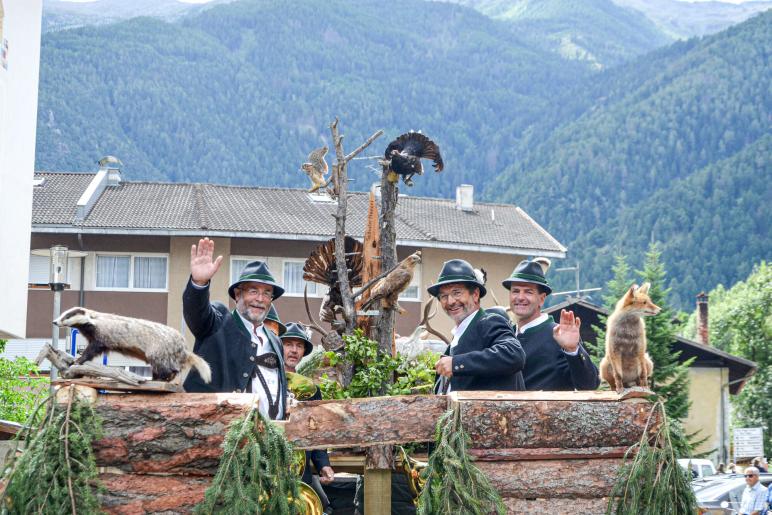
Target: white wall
<point x="18" y="121"/>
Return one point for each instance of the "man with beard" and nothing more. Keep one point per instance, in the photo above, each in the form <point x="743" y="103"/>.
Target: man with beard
<point x="484" y="353"/>
<point x="243" y="355"/>
<point x="555" y="358"/>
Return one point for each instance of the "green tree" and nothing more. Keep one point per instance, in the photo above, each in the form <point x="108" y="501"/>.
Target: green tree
<point x="20" y="390"/>
<point x="670" y="379"/>
<point x="741" y="324"/>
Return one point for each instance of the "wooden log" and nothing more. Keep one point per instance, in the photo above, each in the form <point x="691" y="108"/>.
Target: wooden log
<point x="551" y="505"/>
<point x="566" y="424"/>
<point x="131" y="494"/>
<point x="580" y="395"/>
<point x="554" y="453"/>
<point x="101" y="383"/>
<point x="364" y="422"/>
<point x="586" y="479"/>
<point x="171" y="434"/>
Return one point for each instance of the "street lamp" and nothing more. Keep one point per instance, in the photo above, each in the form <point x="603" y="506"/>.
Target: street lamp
<point x="57" y="280"/>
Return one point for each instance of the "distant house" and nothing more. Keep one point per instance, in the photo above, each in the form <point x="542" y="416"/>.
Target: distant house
<point x="714" y="375"/>
<point x="137" y="238"/>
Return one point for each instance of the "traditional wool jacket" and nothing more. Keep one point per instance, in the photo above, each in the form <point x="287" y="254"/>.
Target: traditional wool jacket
<point x="549" y="368"/>
<point x="224" y="342"/>
<point x="488" y="356"/>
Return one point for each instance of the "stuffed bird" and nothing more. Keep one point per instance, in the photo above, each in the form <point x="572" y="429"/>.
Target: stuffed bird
<point x="405" y="154"/>
<point x="387" y="290"/>
<point x="316" y="168"/>
<point x="320" y="268"/>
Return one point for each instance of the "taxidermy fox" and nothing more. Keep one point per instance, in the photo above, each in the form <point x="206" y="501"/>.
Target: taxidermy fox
<point x="626" y="362"/>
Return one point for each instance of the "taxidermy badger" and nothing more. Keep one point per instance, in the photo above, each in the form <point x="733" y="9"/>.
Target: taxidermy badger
<point x="162" y="347"/>
<point x="626" y="362"/>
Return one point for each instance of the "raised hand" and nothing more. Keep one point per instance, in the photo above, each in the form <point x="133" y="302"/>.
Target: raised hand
<point x="566" y="333"/>
<point x="202" y="268"/>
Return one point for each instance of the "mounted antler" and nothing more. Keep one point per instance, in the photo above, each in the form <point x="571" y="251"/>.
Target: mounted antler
<point x="425" y="322"/>
<point x="331" y="340"/>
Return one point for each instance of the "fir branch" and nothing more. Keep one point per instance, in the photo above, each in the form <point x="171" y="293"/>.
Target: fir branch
<point x="453" y="483"/>
<point x="57" y="471"/>
<point x="254" y="475"/>
<point x="650" y="481"/>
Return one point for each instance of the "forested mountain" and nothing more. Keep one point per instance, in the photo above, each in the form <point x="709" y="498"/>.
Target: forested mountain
<point x="597" y="31"/>
<point x="242" y="92"/>
<point x="672" y="146"/>
<point x="683" y="20"/>
<point x="676" y="151"/>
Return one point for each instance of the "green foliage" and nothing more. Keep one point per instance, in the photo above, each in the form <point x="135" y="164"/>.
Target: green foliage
<point x="673" y="147"/>
<point x="373" y="371"/>
<point x="254" y="475"/>
<point x="57" y="471"/>
<point x="741" y="324"/>
<point x="651" y="482"/>
<point x="453" y="483"/>
<point x="670" y="379"/>
<point x="20" y="391"/>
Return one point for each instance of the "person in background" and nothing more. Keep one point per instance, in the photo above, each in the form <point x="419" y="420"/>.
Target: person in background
<point x="721" y="469"/>
<point x="273" y="322"/>
<point x="754" y="499"/>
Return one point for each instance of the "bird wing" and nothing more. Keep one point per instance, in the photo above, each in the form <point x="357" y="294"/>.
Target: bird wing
<point x="417" y="145"/>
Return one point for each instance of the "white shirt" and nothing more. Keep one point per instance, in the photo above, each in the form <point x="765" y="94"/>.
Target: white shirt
<point x="540" y="320"/>
<point x="458" y="332"/>
<point x="271" y="375"/>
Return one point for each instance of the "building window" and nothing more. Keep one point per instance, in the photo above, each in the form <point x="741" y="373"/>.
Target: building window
<point x="131" y="272"/>
<point x="149" y="272"/>
<point x="39" y="267"/>
<point x="293" y="279"/>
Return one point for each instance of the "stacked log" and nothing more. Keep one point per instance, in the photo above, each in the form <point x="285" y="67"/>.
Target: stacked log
<point x="556" y="452"/>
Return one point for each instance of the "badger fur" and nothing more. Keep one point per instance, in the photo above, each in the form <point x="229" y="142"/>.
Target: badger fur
<point x="162" y="347"/>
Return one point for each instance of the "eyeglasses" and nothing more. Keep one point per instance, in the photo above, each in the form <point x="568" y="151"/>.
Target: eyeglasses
<point x="254" y="292"/>
<point x="455" y="294"/>
<point x="750" y="475"/>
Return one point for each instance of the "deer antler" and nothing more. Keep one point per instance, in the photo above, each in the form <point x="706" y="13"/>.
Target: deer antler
<point x="425" y="321"/>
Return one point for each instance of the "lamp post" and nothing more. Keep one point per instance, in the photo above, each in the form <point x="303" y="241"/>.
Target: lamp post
<point x="57" y="280"/>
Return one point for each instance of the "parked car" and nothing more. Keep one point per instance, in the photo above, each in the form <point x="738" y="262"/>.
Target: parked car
<point x="700" y="468"/>
<point x="721" y="494"/>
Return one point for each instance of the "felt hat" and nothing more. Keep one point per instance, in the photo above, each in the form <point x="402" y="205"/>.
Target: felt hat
<point x="456" y="271"/>
<point x="528" y="272"/>
<point x="273" y="316"/>
<point x="295" y="330"/>
<point x="257" y="272"/>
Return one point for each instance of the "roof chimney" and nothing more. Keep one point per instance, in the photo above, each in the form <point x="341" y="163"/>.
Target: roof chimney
<point x="702" y="318"/>
<point x="111" y="165"/>
<point x="465" y="197"/>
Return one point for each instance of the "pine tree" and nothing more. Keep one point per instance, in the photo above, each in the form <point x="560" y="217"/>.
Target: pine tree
<point x="670" y="379"/>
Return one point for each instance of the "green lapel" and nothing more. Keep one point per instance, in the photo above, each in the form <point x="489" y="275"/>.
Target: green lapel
<point x="240" y="323"/>
<point x="478" y="315"/>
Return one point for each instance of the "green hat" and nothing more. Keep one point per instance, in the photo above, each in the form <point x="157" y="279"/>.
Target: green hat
<point x="528" y="272"/>
<point x="295" y="330"/>
<point x="274" y="316"/>
<point x="257" y="272"/>
<point x="456" y="271"/>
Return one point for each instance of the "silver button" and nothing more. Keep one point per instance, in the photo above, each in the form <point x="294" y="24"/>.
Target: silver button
<point x="254" y="345"/>
<point x="462" y="366"/>
<point x="237" y="390"/>
<point x="456" y="367"/>
<point x="251" y="358"/>
<point x="246" y="375"/>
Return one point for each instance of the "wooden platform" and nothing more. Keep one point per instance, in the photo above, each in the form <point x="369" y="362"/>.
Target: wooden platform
<point x="115" y="386"/>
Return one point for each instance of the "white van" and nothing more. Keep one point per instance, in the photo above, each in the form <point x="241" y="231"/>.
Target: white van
<point x="700" y="468"/>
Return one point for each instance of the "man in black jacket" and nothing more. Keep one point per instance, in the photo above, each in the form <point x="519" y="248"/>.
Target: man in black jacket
<point x="484" y="353"/>
<point x="243" y="355"/>
<point x="555" y="357"/>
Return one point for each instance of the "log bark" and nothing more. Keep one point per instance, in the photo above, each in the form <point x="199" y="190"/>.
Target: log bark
<point x="131" y="494"/>
<point x="539" y="424"/>
<point x="554" y="453"/>
<point x="585" y="479"/>
<point x="551" y="505"/>
<point x="364" y="422"/>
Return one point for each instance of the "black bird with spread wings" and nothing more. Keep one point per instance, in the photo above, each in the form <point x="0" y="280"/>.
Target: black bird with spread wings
<point x="405" y="154"/>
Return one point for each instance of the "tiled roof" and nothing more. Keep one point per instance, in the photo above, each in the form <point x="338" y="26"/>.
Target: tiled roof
<point x="281" y="212"/>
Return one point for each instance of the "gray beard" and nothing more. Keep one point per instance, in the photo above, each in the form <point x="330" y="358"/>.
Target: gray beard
<point x="256" y="320"/>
